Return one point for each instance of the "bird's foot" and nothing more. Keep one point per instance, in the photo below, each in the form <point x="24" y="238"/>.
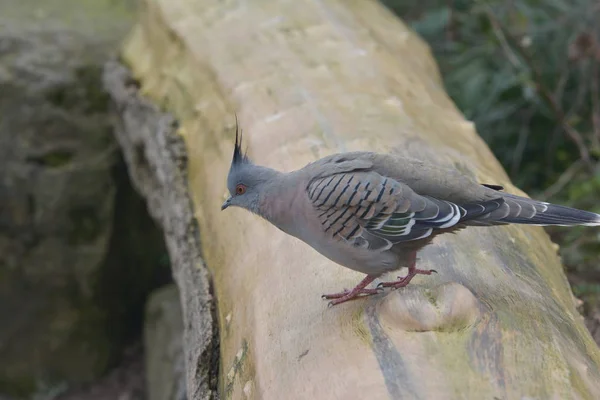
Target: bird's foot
<point x="347" y="292"/>
<point x="358" y="291"/>
<point x="348" y="295"/>
<point x="401" y="282"/>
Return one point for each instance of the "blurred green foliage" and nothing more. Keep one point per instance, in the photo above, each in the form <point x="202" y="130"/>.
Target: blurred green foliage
<point x="526" y="72"/>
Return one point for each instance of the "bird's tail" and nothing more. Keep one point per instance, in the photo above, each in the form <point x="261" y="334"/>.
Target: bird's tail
<point x="522" y="210"/>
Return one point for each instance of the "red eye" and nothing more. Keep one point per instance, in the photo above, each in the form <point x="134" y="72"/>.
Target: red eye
<point x="240" y="189"/>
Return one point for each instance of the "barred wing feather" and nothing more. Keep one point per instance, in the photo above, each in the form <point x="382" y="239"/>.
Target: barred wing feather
<point x="370" y="210"/>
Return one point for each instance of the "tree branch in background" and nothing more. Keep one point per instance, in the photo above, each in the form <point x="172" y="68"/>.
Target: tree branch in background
<point x="520" y="148"/>
<point x="586" y="47"/>
<point x="452" y="27"/>
<point x="595" y="98"/>
<point x="543" y="91"/>
<point x="565" y="178"/>
<point x="499" y="32"/>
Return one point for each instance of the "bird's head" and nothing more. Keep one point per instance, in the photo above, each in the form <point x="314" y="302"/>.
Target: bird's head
<point x="246" y="181"/>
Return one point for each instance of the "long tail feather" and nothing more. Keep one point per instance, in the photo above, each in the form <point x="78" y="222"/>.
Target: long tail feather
<point x="532" y="212"/>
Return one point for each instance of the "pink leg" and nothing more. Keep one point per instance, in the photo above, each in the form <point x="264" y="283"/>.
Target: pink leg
<point x="412" y="271"/>
<point x="354" y="293"/>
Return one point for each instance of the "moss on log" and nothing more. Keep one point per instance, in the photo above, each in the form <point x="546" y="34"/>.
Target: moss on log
<point x="309" y="78"/>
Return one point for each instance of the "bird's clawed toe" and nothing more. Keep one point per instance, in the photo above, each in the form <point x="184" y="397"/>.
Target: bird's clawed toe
<point x="423" y="271"/>
<point x="359" y="291"/>
<point x="346" y="292"/>
<point x="403" y="281"/>
<point x="351" y="295"/>
<point x="335" y="295"/>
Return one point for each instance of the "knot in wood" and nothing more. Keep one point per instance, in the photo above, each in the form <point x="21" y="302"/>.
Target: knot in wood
<point x="448" y="307"/>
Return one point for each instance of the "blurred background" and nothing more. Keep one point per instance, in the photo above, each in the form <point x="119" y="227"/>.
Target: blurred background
<point x="85" y="287"/>
<point x="527" y="73"/>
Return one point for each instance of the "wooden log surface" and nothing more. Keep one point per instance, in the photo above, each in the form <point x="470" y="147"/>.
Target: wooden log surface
<point x="157" y="164"/>
<point x="306" y="79"/>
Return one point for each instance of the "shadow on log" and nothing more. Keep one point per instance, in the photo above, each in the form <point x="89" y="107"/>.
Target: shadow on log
<point x="308" y="79"/>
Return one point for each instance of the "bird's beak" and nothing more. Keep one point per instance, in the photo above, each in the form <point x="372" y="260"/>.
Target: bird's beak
<point x="226" y="204"/>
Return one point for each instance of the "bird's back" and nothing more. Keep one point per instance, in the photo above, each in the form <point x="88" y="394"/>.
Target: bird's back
<point x="370" y="202"/>
<point x="422" y="177"/>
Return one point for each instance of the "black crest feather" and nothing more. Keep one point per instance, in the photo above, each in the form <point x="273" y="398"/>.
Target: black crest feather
<point x="239" y="157"/>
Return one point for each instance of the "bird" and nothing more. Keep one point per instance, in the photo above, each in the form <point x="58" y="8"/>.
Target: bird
<point x="373" y="212"/>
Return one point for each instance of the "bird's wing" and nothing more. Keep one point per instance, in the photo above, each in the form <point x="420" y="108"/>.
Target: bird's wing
<point x="374" y="211"/>
<point x="442" y="186"/>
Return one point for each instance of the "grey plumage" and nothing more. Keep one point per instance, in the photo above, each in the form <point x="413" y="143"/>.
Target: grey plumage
<point x="372" y="212"/>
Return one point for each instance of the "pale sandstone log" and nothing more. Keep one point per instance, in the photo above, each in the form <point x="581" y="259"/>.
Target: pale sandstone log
<point x="308" y="78"/>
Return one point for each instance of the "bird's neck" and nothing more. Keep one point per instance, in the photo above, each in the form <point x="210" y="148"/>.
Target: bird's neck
<point x="278" y="200"/>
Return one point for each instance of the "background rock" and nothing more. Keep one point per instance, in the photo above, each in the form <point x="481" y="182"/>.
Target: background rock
<point x="78" y="252"/>
<point x="163" y="341"/>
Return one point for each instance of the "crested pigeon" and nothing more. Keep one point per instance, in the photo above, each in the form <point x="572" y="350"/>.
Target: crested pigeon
<point x="373" y="212"/>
